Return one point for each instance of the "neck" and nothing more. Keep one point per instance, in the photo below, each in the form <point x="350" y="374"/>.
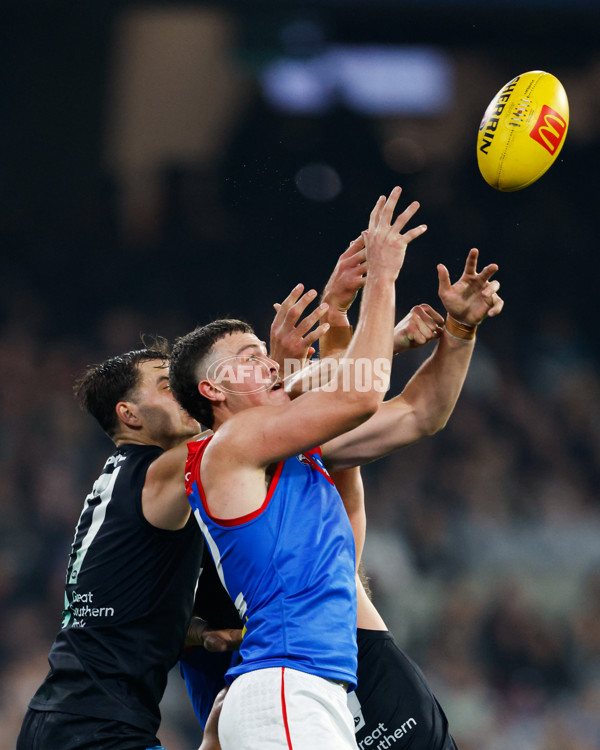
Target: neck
<point x="136" y="440"/>
<point x="141" y="437"/>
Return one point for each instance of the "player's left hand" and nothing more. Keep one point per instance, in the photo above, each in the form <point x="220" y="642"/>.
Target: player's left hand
<point x="421" y="325"/>
<point x="292" y="337"/>
<point x="473" y="297"/>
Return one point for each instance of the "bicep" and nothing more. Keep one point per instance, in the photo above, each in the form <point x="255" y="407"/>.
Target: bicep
<point x="265" y="435"/>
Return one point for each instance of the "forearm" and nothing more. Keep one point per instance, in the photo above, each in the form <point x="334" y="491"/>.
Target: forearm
<point x="374" y="336"/>
<point x="433" y="390"/>
<point x="373" y="339"/>
<point x="350" y="486"/>
<point x="367" y="616"/>
<point x="423" y="408"/>
<point x="335" y="341"/>
<point x="314" y="374"/>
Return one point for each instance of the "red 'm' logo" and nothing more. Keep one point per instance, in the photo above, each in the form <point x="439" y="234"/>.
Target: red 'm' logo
<point x="549" y="130"/>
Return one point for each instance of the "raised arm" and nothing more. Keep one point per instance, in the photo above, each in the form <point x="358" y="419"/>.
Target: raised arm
<point x="350" y="486"/>
<point x="281" y="431"/>
<point x="428" y="399"/>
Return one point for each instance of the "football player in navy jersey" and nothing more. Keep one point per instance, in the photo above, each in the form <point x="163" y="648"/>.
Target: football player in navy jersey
<point x="131" y="574"/>
<point x="393" y="703"/>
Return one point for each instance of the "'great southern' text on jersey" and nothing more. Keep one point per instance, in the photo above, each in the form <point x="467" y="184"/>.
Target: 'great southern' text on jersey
<point x="128" y="602"/>
<point x="289" y="569"/>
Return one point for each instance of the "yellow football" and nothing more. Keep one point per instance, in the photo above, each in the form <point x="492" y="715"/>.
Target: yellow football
<point x="522" y="131"/>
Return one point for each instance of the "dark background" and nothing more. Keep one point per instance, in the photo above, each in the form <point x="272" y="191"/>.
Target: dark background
<point x="483" y="540"/>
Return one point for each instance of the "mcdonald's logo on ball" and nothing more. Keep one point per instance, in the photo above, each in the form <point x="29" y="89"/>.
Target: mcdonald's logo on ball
<point x="549" y="130"/>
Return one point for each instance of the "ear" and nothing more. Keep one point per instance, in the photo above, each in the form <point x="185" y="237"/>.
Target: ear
<point x="127" y="413"/>
<point x="210" y="391"/>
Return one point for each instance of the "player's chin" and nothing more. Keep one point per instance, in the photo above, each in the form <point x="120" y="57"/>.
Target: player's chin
<point x="190" y="426"/>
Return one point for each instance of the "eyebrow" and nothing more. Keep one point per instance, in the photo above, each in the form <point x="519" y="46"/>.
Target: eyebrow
<point x="258" y="345"/>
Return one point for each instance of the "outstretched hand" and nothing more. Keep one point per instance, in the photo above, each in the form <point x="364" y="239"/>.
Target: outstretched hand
<point x="385" y="244"/>
<point x="421" y="325"/>
<point x="292" y="337"/>
<point x="473" y="297"/>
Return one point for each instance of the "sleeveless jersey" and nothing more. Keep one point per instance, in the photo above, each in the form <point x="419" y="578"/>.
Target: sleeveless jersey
<point x="289" y="569"/>
<point x="128" y="602"/>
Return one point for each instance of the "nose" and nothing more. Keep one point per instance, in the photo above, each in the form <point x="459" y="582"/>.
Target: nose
<point x="273" y="366"/>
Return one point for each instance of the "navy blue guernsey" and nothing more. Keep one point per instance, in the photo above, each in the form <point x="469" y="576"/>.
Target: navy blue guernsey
<point x="128" y="602"/>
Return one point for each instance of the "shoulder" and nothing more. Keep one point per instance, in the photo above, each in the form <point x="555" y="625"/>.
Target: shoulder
<point x="168" y="464"/>
<point x="241" y="431"/>
<point x="164" y="499"/>
<point x="129" y="464"/>
<point x="132" y="453"/>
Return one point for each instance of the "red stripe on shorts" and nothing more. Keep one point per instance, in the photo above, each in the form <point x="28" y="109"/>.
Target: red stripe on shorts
<point x="284" y="710"/>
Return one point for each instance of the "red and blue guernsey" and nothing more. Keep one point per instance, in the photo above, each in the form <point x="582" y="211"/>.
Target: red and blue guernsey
<point x="289" y="569"/>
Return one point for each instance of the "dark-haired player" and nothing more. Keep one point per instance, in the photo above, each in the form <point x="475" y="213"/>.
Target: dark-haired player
<point x="130" y="578"/>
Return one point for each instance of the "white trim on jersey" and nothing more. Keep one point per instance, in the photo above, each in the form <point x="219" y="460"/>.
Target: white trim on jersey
<point x="239" y="600"/>
<point x="103" y="489"/>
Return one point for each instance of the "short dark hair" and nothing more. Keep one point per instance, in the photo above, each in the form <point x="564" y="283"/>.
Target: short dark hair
<point x="188" y="352"/>
<point x="101" y="386"/>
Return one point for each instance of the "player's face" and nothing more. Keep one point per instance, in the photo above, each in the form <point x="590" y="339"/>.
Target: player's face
<point x="244" y="371"/>
<point x="164" y="420"/>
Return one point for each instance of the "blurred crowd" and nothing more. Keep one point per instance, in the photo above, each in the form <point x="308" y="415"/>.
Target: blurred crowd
<point x="482" y="545"/>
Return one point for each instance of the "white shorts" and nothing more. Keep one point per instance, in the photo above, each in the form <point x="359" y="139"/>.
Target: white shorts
<point x="283" y="709"/>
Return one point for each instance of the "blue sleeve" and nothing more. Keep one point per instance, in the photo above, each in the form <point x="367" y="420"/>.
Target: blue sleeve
<point x="204" y="676"/>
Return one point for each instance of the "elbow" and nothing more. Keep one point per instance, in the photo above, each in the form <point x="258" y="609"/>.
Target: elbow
<point x="365" y="405"/>
<point x="432" y="427"/>
<point x="427" y="422"/>
<point x="371" y="405"/>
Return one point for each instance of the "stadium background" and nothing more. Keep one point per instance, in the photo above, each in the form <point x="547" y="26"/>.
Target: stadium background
<point x="162" y="164"/>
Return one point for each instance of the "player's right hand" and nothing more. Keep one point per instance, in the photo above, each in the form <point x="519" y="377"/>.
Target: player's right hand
<point x="422" y="325"/>
<point x="385" y="244"/>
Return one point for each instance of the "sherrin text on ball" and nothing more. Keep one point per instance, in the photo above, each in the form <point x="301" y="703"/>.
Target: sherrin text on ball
<point x="522" y="131"/>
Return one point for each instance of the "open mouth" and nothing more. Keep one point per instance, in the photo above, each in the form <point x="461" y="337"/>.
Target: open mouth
<point x="277" y="385"/>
